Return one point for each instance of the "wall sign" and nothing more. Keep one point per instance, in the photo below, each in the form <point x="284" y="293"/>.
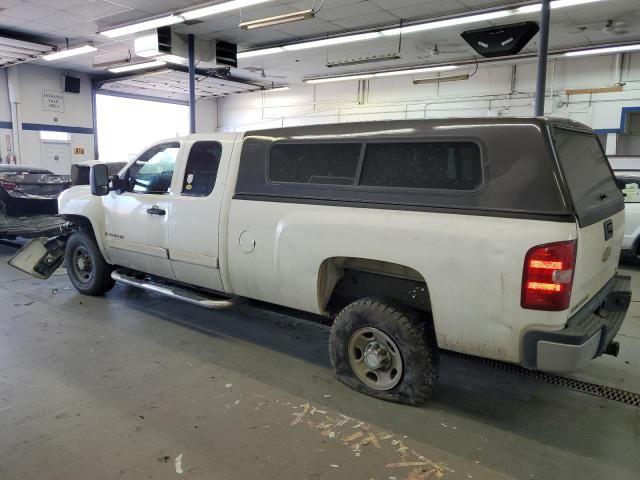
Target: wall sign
<point x="52" y="101"/>
<point x="78" y="151"/>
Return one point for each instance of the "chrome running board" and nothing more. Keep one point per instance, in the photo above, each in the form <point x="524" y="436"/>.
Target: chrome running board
<point x="173" y="291"/>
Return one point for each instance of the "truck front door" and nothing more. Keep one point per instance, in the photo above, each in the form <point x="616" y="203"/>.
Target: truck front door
<point x="196" y="206"/>
<point x="136" y="220"/>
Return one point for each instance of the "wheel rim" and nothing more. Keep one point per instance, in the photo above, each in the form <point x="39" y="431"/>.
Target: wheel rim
<point x="375" y="358"/>
<point x="82" y="264"/>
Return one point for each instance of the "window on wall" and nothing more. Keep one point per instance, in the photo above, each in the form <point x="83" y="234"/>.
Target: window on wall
<point x="49" y="136"/>
<point x="127" y="126"/>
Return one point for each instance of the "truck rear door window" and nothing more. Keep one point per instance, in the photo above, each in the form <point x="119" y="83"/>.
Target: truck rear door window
<point x="202" y="169"/>
<point x="592" y="187"/>
<point x="434" y="165"/>
<point x="325" y="164"/>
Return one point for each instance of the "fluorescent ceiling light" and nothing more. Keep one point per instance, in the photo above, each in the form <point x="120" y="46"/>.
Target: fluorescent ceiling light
<point x="556" y="4"/>
<point x="327" y="42"/>
<point x="278" y="89"/>
<point x="452" y="22"/>
<point x="219" y="8"/>
<point x="70" y="52"/>
<point x="264" y="51"/>
<point x="278" y="19"/>
<point x="450" y="78"/>
<point x="419" y="27"/>
<point x="603" y="50"/>
<point x="340" y="79"/>
<point x="136" y="66"/>
<point x="414" y="71"/>
<point x="392" y="73"/>
<point x="142" y="26"/>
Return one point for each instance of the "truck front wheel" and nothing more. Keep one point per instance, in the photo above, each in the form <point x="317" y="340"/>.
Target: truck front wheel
<point x="87" y="269"/>
<point x="384" y="350"/>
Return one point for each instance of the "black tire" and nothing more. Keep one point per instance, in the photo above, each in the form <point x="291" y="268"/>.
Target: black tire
<point x="411" y="331"/>
<point x="93" y="280"/>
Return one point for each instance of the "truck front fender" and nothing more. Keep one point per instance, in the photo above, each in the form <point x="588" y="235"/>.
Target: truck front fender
<point x="79" y="207"/>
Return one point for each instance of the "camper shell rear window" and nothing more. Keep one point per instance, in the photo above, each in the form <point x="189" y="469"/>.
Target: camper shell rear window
<point x="590" y="180"/>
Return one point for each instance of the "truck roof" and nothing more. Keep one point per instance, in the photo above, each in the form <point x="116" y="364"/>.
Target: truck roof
<point x="409" y="127"/>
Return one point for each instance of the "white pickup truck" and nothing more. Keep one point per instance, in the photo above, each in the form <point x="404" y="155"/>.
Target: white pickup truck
<point x="498" y="238"/>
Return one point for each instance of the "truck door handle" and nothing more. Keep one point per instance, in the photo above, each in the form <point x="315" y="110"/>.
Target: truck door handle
<point x="156" y="210"/>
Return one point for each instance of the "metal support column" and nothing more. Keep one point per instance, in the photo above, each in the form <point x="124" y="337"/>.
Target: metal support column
<point x="192" y="83"/>
<point x="543" y="51"/>
<point x="94" y="118"/>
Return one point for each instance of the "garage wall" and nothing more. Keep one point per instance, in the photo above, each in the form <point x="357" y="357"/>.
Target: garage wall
<point x="493" y="91"/>
<point x="30" y="82"/>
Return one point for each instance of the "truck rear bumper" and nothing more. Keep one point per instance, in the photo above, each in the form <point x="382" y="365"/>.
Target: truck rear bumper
<point x="586" y="335"/>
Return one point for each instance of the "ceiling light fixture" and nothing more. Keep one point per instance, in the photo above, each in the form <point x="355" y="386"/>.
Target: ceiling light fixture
<point x="278" y="19"/>
<point x="137" y="66"/>
<point x="604" y="50"/>
<point x="142" y="26"/>
<point x="391" y="73"/>
<point x="219" y="8"/>
<point x="346" y="78"/>
<point x="418" y="27"/>
<point x="450" y="78"/>
<point x="70" y="52"/>
<point x="362" y="60"/>
<point x="278" y="89"/>
<point x="414" y="71"/>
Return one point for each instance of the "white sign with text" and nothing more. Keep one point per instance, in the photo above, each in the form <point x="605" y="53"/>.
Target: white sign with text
<point x="53" y="101"/>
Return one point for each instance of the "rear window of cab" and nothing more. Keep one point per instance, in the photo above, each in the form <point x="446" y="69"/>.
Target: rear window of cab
<point x="436" y="165"/>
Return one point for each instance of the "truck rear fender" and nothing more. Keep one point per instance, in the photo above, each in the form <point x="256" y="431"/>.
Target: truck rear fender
<point x="342" y="280"/>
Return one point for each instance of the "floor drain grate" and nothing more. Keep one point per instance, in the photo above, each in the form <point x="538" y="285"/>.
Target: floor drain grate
<point x="602" y="391"/>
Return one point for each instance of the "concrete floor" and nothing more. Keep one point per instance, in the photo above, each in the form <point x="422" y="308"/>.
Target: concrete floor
<point x="133" y="386"/>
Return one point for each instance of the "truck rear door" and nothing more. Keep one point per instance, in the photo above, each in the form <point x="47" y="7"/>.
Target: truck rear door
<point x="194" y="227"/>
<point x="599" y="207"/>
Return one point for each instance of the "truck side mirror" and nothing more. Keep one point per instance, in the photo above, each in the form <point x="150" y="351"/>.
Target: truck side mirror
<point x="99" y="180"/>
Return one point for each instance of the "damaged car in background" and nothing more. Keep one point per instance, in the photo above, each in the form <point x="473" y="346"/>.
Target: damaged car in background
<point x="29" y="201"/>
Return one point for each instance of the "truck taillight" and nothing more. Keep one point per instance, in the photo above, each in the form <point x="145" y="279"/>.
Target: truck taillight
<point x="548" y="276"/>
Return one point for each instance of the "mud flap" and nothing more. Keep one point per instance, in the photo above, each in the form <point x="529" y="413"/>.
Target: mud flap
<point x="41" y="256"/>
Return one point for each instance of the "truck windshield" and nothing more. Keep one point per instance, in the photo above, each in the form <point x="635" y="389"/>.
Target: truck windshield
<point x="591" y="183"/>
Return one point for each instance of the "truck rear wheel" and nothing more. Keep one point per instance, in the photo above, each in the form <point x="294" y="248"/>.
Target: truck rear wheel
<point x="384" y="350"/>
<point x="87" y="269"/>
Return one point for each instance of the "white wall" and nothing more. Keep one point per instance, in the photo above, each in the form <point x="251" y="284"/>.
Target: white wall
<point x="32" y="80"/>
<point x="206" y="115"/>
<point x="487" y="93"/>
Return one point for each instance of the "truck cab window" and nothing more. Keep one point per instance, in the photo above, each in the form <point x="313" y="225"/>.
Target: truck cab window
<point x="202" y="169"/>
<point x="153" y="170"/>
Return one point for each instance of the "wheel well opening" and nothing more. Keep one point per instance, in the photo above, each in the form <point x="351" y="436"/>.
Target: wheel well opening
<point x="83" y="223"/>
<point x="342" y="280"/>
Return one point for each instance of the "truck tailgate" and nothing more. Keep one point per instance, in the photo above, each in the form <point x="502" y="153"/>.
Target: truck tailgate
<point x="597" y="258"/>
